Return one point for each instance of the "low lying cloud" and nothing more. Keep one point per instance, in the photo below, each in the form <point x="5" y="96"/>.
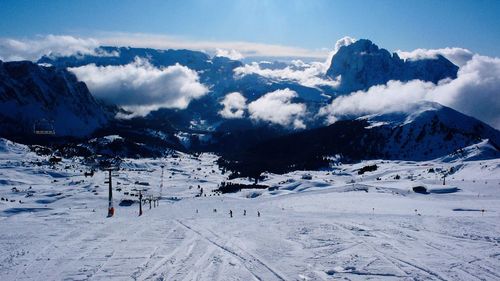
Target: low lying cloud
<point x="392" y="97"/>
<point x="231" y="54"/>
<point x="33" y="49"/>
<point x="140" y="87"/>
<point x="306" y="74"/>
<point x="234" y="104"/>
<point x="277" y="107"/>
<point x="458" y="56"/>
<point x="475" y="92"/>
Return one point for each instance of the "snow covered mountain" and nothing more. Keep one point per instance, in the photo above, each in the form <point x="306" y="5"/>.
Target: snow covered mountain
<point x="363" y="64"/>
<point x="216" y="71"/>
<point x="426" y="131"/>
<point x="31" y="94"/>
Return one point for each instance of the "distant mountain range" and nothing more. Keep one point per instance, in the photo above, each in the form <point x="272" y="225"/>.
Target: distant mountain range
<point x="32" y="92"/>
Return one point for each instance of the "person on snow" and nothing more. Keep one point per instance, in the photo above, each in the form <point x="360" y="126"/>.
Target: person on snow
<point x="231" y="213"/>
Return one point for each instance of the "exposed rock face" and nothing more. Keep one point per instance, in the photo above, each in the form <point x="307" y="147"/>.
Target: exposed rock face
<point x="363" y="64"/>
<point x="30" y="93"/>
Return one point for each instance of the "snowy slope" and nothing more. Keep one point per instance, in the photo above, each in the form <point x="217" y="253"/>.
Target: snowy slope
<point x="337" y="225"/>
<point x="480" y="151"/>
<point x="428" y="130"/>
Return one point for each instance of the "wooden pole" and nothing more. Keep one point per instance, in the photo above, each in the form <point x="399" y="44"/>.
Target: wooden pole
<point x="140" y="203"/>
<point x="161" y="182"/>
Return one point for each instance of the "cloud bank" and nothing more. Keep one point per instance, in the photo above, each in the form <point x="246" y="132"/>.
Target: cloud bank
<point x="33" y="49"/>
<point x="475" y="92"/>
<point x="140" y="87"/>
<point x="234" y="106"/>
<point x="458" y="56"/>
<point x="232" y="54"/>
<point x="306" y="74"/>
<point x="277" y="107"/>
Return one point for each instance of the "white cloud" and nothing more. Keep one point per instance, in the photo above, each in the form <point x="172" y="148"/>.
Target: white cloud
<point x="33" y="49"/>
<point x="475" y="92"/>
<point x="231" y="54"/>
<point x="277" y="107"/>
<point x="234" y="106"/>
<point x="140" y="87"/>
<point x="344" y="41"/>
<point x="392" y="97"/>
<point x="458" y="56"/>
<point x="309" y="75"/>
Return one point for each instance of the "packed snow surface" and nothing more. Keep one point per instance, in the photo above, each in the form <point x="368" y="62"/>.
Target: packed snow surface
<point x="330" y="225"/>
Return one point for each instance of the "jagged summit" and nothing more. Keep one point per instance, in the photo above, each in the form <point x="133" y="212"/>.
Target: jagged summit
<point x="363" y="64"/>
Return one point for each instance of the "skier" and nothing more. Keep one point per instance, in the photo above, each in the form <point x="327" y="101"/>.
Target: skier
<point x="244" y="212"/>
<point x="258" y="214"/>
<point x="231" y="213"/>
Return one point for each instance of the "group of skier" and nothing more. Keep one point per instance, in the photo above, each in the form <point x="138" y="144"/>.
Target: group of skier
<point x="244" y="213"/>
<point x="231" y="212"/>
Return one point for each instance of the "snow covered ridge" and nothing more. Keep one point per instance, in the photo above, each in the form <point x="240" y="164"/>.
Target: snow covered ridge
<point x="428" y="131"/>
<point x="30" y="93"/>
<point x="332" y="224"/>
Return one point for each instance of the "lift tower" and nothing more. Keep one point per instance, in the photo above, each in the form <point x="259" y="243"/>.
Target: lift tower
<point x="111" y="209"/>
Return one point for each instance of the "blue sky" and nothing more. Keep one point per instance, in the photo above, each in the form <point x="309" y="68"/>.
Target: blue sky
<point x="313" y="24"/>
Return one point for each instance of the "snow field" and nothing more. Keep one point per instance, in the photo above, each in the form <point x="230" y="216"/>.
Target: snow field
<point x="325" y="228"/>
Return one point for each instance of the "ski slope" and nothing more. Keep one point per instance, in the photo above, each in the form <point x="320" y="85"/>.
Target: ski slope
<point x="338" y="225"/>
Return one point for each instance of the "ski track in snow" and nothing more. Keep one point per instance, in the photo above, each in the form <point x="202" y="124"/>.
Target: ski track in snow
<point x="320" y="229"/>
